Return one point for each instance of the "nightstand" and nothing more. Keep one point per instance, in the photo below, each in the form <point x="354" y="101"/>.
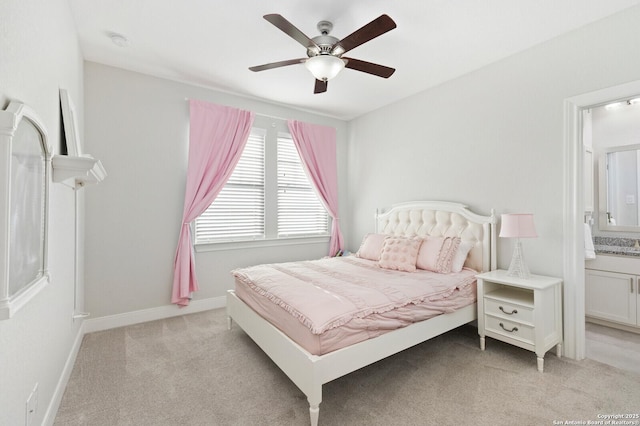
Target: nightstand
<point x="523" y="312"/>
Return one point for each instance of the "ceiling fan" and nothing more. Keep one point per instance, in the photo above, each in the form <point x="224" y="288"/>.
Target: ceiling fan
<point x="325" y="52"/>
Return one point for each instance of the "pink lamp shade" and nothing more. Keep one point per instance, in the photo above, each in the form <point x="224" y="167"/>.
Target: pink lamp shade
<point x="518" y="225"/>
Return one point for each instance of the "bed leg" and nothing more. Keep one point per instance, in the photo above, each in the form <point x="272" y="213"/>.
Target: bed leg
<point x="314" y="414"/>
<point x="229" y="323"/>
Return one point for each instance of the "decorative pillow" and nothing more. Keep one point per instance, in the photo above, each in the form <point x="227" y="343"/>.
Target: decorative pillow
<point x="400" y="253"/>
<point x="371" y="246"/>
<point x="429" y="252"/>
<point x="461" y="256"/>
<point x="437" y="253"/>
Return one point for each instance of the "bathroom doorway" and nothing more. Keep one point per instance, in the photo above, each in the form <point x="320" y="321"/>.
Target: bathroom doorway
<point x="573" y="208"/>
<point x="610" y="135"/>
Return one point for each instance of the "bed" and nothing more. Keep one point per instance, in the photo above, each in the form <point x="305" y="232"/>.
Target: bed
<point x="311" y="363"/>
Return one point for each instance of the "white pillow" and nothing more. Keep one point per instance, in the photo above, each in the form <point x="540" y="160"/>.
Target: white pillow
<point x="461" y="256"/>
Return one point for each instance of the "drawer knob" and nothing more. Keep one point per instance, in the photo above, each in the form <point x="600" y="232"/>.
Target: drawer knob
<point x="510" y="331"/>
<point x="515" y="311"/>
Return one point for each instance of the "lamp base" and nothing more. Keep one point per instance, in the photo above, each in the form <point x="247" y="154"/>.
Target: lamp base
<point x="518" y="268"/>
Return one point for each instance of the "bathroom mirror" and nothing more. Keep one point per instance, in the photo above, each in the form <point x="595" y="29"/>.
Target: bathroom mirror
<point x="619" y="183"/>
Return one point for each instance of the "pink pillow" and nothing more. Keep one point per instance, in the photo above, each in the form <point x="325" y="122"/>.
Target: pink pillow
<point x="429" y="252"/>
<point x="400" y="253"/>
<point x="437" y="253"/>
<point x="371" y="246"/>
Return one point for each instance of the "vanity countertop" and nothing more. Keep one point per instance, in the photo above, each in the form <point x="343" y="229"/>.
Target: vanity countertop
<point x="625" y="264"/>
<point x="617" y="250"/>
<point x="617" y="246"/>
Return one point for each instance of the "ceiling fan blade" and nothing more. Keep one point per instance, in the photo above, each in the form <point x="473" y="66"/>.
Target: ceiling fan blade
<point x="277" y="64"/>
<point x="321" y="86"/>
<point x="373" y="29"/>
<point x="369" y="68"/>
<point x="289" y="29"/>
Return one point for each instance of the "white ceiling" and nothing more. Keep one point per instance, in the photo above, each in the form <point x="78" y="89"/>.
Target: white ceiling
<point x="212" y="43"/>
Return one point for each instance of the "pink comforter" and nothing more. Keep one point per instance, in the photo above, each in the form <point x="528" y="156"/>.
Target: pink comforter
<point x="327" y="293"/>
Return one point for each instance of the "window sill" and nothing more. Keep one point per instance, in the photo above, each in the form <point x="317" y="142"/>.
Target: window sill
<point x="238" y="245"/>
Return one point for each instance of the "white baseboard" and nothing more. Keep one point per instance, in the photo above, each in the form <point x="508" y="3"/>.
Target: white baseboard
<point x="56" y="399"/>
<point x="128" y="318"/>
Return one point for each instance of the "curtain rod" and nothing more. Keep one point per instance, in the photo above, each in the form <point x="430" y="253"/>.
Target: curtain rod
<point x="273" y="117"/>
<point x="258" y="114"/>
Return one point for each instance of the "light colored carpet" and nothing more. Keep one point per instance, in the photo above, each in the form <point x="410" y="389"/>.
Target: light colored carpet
<point x="191" y="370"/>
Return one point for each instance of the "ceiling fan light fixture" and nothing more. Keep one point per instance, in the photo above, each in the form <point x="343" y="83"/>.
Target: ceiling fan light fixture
<point x="325" y="67"/>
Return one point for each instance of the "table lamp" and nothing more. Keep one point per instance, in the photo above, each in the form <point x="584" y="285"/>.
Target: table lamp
<point x="518" y="225"/>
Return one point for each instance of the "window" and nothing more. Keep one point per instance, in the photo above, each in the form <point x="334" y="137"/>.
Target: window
<point x="238" y="211"/>
<point x="300" y="212"/>
<point x="267" y="197"/>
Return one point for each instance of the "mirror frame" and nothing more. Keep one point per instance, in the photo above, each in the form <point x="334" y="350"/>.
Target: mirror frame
<point x="603" y="190"/>
<point x="9" y="121"/>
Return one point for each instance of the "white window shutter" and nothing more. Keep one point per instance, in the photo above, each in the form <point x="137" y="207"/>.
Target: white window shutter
<point x="238" y="212"/>
<point x="300" y="211"/>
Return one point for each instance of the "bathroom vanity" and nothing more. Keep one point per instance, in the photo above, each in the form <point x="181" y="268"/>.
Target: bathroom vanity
<point x="612" y="280"/>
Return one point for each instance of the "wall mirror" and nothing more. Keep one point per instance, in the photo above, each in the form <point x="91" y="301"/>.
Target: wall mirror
<point x="619" y="189"/>
<point x="25" y="157"/>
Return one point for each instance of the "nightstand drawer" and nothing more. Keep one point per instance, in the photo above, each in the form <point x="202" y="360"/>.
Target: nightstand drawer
<point x="508" y="311"/>
<point x="512" y="329"/>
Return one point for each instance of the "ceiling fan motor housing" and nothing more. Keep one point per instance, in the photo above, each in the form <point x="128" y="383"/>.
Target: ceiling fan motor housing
<point x="324" y="41"/>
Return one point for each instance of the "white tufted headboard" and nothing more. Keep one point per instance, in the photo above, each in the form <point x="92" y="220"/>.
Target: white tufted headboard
<point x="442" y="218"/>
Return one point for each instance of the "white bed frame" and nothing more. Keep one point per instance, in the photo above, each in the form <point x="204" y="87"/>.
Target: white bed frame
<point x="309" y="372"/>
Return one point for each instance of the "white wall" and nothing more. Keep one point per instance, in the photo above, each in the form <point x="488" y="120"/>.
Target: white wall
<point x="40" y="54"/>
<point x="492" y="139"/>
<point x="138" y="126"/>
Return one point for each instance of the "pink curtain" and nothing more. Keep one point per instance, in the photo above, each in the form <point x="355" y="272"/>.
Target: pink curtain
<point x="317" y="148"/>
<point x="217" y="136"/>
